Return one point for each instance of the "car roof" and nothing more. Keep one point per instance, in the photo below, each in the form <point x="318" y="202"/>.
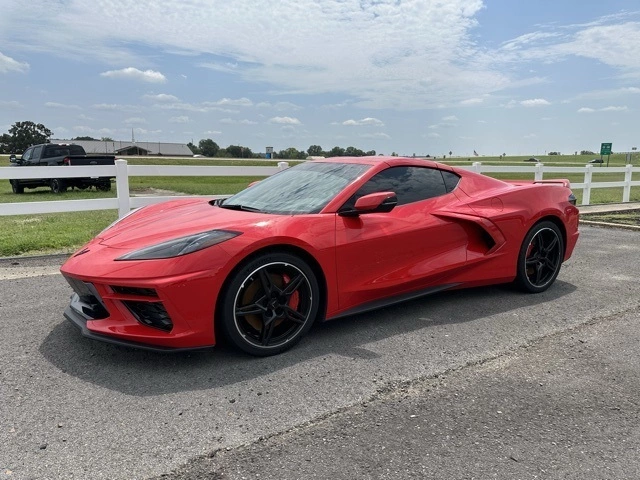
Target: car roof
<point x="392" y="161"/>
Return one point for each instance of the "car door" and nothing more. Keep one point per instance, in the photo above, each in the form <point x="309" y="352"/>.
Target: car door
<point x="381" y="255"/>
<point x="36" y="156"/>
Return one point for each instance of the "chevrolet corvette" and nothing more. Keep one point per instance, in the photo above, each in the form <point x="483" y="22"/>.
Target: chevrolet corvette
<point x="319" y="241"/>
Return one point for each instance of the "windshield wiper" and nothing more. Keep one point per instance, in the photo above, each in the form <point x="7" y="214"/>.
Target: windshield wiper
<point x="238" y="206"/>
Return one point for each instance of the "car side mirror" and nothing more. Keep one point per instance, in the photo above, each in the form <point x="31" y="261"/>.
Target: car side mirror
<point x="13" y="158"/>
<point x="379" y="202"/>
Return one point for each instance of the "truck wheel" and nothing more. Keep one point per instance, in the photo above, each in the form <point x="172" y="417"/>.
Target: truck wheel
<point x="57" y="185"/>
<point x="16" y="187"/>
<point x="104" y="187"/>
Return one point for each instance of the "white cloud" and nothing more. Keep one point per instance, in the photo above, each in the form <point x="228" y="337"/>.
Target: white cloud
<point x="135" y="121"/>
<point x="334" y="46"/>
<point x="376" y="135"/>
<point x="239" y="102"/>
<point x="131" y="73"/>
<point x="212" y="132"/>
<point x="280" y="106"/>
<point x="61" y="106"/>
<point x="472" y="101"/>
<point x="180" y="119"/>
<point x="450" y="118"/>
<point x="285" y="121"/>
<point x="161" y="98"/>
<point x="369" y="121"/>
<point x="114" y="107"/>
<point x="8" y="64"/>
<point x="233" y="121"/>
<point x="535" y="102"/>
<point x="614" y="109"/>
<point x="604" y="109"/>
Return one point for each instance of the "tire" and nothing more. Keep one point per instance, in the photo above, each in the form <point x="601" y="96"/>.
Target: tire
<point x="269" y="304"/>
<point x="104" y="187"/>
<point x="16" y="187"/>
<point x="57" y="185"/>
<point x="540" y="258"/>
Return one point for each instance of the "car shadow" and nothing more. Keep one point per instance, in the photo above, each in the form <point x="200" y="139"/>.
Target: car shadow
<point x="144" y="373"/>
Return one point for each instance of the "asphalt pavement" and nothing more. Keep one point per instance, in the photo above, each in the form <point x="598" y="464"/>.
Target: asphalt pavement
<point x="479" y="383"/>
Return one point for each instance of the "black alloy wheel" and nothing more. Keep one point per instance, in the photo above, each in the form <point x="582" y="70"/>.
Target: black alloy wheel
<point x="540" y="258"/>
<point x="57" y="185"/>
<point x="104" y="187"/>
<point x="270" y="304"/>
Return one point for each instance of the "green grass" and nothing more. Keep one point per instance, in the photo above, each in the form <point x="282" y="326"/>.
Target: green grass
<point x="65" y="232"/>
<point x="631" y="217"/>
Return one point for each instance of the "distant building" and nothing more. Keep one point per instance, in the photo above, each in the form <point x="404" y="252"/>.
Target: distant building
<point x="118" y="147"/>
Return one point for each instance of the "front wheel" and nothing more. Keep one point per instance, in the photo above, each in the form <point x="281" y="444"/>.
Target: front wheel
<point x="540" y="257"/>
<point x="270" y="304"/>
<point x="57" y="185"/>
<point x="16" y="187"/>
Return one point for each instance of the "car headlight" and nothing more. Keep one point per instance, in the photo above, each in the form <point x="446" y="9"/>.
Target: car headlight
<point x="180" y="246"/>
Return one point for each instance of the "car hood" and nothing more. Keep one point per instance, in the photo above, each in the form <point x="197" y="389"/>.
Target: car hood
<point x="165" y="221"/>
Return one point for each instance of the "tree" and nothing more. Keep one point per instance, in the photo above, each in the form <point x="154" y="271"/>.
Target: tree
<point x="315" y="151"/>
<point x="208" y="147"/>
<point x="107" y="139"/>
<point x="290" y="153"/>
<point x="24" y="134"/>
<point x="586" y="152"/>
<point x="83" y="138"/>
<point x="353" y="152"/>
<point x="336" y="152"/>
<point x="194" y="148"/>
<point x="238" y="151"/>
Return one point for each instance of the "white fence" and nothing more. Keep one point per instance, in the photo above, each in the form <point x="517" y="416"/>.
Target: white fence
<point x="123" y="202"/>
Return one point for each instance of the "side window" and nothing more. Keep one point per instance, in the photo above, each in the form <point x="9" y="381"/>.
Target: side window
<point x="26" y="156"/>
<point x="410" y="184"/>
<point x="36" y="153"/>
<point x="450" y="180"/>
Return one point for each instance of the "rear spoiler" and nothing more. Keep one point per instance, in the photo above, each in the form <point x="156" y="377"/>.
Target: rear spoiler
<point x="556" y="181"/>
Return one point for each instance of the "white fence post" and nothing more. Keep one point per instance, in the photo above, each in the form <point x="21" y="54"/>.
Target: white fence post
<point x="122" y="187"/>
<point x="586" y="190"/>
<point x="539" y="171"/>
<point x="476" y="167"/>
<point x="626" y="192"/>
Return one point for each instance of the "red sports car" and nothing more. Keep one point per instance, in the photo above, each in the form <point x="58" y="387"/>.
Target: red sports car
<point x="318" y="241"/>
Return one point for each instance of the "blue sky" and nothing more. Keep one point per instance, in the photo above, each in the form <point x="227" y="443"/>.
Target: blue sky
<point x="419" y="76"/>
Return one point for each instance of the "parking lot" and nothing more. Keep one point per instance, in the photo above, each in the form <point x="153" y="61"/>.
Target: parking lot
<point x="73" y="408"/>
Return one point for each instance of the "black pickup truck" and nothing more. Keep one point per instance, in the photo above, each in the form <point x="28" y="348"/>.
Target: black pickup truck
<point x="58" y="154"/>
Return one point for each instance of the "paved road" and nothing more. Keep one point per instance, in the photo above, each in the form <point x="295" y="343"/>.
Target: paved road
<point x="72" y="408"/>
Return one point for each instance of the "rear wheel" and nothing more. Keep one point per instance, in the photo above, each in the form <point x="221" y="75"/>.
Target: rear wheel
<point x="104" y="186"/>
<point x="540" y="257"/>
<point x="16" y="187"/>
<point x="57" y="185"/>
<point x="270" y="304"/>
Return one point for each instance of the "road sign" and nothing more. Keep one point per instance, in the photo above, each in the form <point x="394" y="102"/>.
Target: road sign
<point x="605" y="149"/>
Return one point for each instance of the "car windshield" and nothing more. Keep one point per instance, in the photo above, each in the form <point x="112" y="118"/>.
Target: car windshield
<point x="305" y="188"/>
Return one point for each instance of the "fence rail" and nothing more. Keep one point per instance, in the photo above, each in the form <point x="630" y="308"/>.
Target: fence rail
<point x="124" y="202"/>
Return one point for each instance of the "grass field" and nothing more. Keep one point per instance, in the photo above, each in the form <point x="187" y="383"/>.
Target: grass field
<point x="65" y="232"/>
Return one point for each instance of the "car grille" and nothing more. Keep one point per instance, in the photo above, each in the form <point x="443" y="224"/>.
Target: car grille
<point x="152" y="314"/>
<point x="89" y="302"/>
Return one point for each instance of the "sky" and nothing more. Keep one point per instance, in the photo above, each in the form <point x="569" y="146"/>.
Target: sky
<point x="423" y="77"/>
